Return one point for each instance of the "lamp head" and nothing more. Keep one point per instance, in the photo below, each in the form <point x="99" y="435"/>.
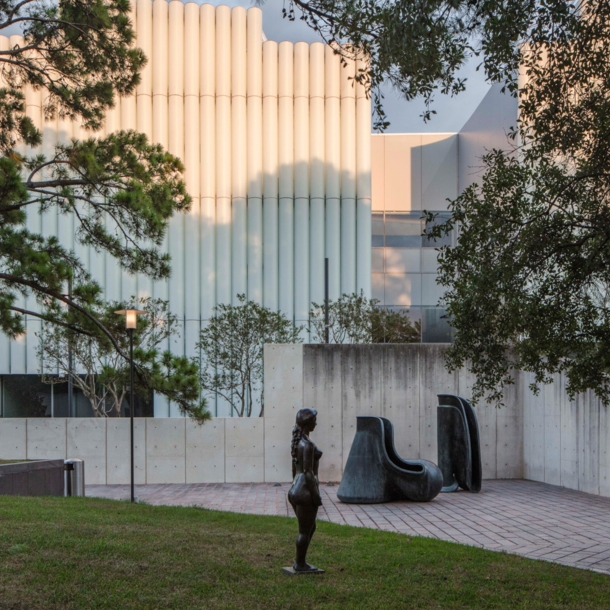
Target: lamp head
<point x="131" y="317"/>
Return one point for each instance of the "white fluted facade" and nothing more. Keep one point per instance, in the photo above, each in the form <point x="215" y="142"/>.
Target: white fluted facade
<point x="275" y="140"/>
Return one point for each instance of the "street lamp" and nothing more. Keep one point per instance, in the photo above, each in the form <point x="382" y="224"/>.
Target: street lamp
<point x="131" y="323"/>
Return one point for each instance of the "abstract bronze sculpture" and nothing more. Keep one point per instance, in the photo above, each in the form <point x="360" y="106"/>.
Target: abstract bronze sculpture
<point x="375" y="473"/>
<point x="304" y="495"/>
<point x="459" y="452"/>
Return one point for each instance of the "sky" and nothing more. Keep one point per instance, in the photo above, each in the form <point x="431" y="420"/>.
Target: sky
<point x="405" y="117"/>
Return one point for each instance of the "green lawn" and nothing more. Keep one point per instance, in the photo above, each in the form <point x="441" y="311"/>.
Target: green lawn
<point x="13" y="461"/>
<point x="88" y="553"/>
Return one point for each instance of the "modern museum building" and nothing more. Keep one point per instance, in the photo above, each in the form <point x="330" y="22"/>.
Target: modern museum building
<point x="284" y="171"/>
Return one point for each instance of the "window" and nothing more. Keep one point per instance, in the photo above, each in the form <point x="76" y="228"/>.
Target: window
<point x="435" y="326"/>
<point x="445" y="240"/>
<point x="403" y="230"/>
<point x="28" y="396"/>
<point x="378" y="232"/>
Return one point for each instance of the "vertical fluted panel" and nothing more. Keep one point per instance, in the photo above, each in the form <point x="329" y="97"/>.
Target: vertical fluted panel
<point x="65" y="222"/>
<point x="317" y="158"/>
<point x="363" y="187"/>
<point x="207" y="49"/>
<point x="5" y="344"/>
<point x="348" y="177"/>
<point x="160" y="68"/>
<point x="332" y="67"/>
<point x="160" y="116"/>
<point x="286" y="178"/>
<point x="112" y="283"/>
<point x="223" y="154"/>
<point x="25" y="360"/>
<point x="128" y="122"/>
<point x="254" y="55"/>
<point x="144" y="89"/>
<point x="144" y="99"/>
<point x="17" y="352"/>
<point x="192" y="174"/>
<point x="49" y="141"/>
<point x="239" y="172"/>
<point x="176" y="147"/>
<point x="301" y="182"/>
<point x="270" y="171"/>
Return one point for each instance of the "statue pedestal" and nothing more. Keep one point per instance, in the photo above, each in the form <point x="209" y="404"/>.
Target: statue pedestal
<point x="292" y="572"/>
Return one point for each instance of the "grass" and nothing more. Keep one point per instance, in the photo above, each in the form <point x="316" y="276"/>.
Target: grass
<point x="88" y="553"/>
<point x="13" y="461"/>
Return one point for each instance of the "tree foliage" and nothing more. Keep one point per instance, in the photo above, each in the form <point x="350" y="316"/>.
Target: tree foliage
<point x="353" y="318"/>
<point x="232" y="346"/>
<point x="528" y="283"/>
<point x="94" y="366"/>
<point x="419" y="47"/>
<point x="117" y="192"/>
<point x="80" y="51"/>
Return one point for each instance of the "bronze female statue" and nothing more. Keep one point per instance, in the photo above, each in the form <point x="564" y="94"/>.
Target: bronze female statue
<point x="304" y="495"/>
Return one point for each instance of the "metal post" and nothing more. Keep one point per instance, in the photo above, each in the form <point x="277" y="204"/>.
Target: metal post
<point x="131" y="410"/>
<point x="70" y="364"/>
<point x="326" y="322"/>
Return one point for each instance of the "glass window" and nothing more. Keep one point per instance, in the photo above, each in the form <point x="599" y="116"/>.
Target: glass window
<point x="435" y="326"/>
<point x="377" y="233"/>
<point x="445" y="240"/>
<point x="25" y="396"/>
<point x="377" y="260"/>
<point x="28" y="396"/>
<point x="403" y="230"/>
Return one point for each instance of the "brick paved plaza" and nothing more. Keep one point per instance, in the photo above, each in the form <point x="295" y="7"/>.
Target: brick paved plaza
<point x="523" y="517"/>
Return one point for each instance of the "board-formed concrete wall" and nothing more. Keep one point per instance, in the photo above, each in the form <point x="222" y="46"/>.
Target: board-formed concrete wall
<point x="544" y="438"/>
<point x="566" y="442"/>
<point x="400" y="382"/>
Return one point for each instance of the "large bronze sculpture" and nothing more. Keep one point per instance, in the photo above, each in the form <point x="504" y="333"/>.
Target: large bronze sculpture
<point x="304" y="495"/>
<point x="376" y="473"/>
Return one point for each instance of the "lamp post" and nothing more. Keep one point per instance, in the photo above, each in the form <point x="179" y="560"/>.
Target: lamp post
<point x="131" y="323"/>
<point x="326" y="322"/>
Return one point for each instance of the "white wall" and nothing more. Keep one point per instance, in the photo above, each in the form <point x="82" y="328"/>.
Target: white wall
<point x="210" y="94"/>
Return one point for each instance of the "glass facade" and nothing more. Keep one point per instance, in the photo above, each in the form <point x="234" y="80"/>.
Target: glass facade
<point x="404" y="269"/>
<point x="29" y="396"/>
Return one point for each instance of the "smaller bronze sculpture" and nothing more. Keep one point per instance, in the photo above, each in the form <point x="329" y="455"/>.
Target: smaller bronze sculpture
<point x="304" y="495"/>
<point x="459" y="450"/>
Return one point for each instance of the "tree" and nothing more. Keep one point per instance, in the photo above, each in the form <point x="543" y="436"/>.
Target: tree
<point x="120" y="190"/>
<point x="232" y="352"/>
<point x="418" y="47"/>
<point x="100" y="372"/>
<point x="353" y="318"/>
<point x="80" y="51"/>
<point x="528" y="283"/>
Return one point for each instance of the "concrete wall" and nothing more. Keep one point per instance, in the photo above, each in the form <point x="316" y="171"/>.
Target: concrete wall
<point x="167" y="450"/>
<point x="543" y="438"/>
<point x="566" y="442"/>
<point x="546" y="438"/>
<point x="400" y="382"/>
